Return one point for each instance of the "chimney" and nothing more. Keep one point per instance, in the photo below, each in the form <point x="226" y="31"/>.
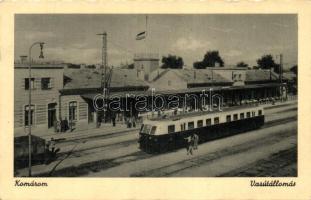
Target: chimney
<point x="23" y="59"/>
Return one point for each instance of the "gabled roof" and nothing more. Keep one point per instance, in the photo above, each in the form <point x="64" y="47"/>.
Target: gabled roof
<point x="91" y="78"/>
<point x="196" y="76"/>
<point x="260" y="75"/>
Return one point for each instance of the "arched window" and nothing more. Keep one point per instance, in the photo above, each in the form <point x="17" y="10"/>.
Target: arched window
<point x="26" y="115"/>
<point x="72" y="110"/>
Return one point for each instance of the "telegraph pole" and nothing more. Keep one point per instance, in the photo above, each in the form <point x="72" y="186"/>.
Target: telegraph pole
<point x="104" y="69"/>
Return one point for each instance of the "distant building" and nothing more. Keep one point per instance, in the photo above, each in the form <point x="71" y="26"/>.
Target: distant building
<point x="146" y="64"/>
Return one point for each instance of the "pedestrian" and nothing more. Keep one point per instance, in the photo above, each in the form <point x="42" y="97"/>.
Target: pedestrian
<point x="134" y="122"/>
<point x="113" y="119"/>
<point x="55" y="125"/>
<point x="189" y="146"/>
<point x="195" y="141"/>
<point x="66" y="125"/>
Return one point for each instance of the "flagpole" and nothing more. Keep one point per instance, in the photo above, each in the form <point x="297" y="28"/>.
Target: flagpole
<point x="146" y="35"/>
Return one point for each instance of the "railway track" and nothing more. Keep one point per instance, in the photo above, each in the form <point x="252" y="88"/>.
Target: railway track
<point x="174" y="168"/>
<point x="131" y="157"/>
<point x="117" y="145"/>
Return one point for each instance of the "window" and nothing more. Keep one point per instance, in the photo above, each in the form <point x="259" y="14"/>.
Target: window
<point x="72" y="110"/>
<point x="248" y="114"/>
<point x="153" y="130"/>
<point x="26" y="114"/>
<point x="145" y="129"/>
<point x="216" y="120"/>
<point x="241" y="115"/>
<point x="183" y="127"/>
<point x="190" y="125"/>
<point x="228" y="118"/>
<point x="45" y="83"/>
<point x="259" y="112"/>
<point x="253" y="113"/>
<point x="235" y="117"/>
<point x="208" y="122"/>
<point x="200" y="123"/>
<point x="171" y="129"/>
<point x="27" y="84"/>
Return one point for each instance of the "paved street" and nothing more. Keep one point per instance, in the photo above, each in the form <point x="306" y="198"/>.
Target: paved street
<point x="117" y="155"/>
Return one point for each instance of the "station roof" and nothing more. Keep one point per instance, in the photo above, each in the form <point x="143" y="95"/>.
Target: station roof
<point x="260" y="75"/>
<point x="91" y="78"/>
<point x="183" y="91"/>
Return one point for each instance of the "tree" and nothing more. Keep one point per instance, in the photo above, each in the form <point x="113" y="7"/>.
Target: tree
<point x="267" y="62"/>
<point x="172" y="62"/>
<point x="210" y="59"/>
<point x="241" y="64"/>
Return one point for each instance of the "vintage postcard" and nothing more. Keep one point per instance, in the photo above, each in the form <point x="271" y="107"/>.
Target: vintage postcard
<point x="155" y="100"/>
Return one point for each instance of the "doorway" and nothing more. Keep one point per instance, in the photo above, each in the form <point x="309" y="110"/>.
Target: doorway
<point x="51" y="114"/>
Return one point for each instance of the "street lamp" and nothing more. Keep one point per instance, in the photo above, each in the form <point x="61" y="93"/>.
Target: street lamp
<point x="29" y="103"/>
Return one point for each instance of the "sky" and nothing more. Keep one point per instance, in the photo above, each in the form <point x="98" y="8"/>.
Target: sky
<point x="72" y="37"/>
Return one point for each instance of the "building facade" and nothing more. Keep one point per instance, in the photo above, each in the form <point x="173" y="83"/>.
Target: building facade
<point x="46" y="81"/>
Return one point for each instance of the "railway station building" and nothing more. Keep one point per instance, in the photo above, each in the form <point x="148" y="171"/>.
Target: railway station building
<point x="60" y="92"/>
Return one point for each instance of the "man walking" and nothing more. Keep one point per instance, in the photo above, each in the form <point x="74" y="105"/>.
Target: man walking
<point x="189" y="146"/>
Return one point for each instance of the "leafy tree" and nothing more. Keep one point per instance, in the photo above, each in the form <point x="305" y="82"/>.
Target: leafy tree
<point x="267" y="62"/>
<point x="172" y="62"/>
<point x="210" y="59"/>
<point x="241" y="64"/>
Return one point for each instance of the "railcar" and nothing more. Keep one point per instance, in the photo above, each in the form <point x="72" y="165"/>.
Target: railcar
<point x="168" y="133"/>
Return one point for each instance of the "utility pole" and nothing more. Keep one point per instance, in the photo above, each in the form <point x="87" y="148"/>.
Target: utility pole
<point x="104" y="69"/>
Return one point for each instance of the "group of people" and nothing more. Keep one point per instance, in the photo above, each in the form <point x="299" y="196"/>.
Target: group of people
<point x="192" y="143"/>
<point x="63" y="125"/>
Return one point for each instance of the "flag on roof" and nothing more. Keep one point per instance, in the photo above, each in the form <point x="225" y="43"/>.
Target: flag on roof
<point x="141" y="35"/>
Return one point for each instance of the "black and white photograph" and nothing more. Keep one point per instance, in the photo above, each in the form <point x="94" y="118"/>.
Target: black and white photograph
<point x="156" y="95"/>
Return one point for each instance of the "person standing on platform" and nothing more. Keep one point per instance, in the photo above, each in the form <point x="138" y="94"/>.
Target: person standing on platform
<point x="189" y="141"/>
<point x="195" y="141"/>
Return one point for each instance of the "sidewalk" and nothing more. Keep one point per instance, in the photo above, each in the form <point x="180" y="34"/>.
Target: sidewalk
<point x="82" y="132"/>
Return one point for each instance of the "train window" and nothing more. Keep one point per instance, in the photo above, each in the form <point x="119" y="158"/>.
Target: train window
<point x="235" y="117"/>
<point x="241" y="115"/>
<point x="208" y="122"/>
<point x="200" y="123"/>
<point x="216" y="120"/>
<point x="171" y="129"/>
<point x="259" y="112"/>
<point x="248" y="114"/>
<point x="183" y="126"/>
<point x="145" y="129"/>
<point x="228" y="118"/>
<point x="190" y="125"/>
<point x="253" y="113"/>
<point x="153" y="130"/>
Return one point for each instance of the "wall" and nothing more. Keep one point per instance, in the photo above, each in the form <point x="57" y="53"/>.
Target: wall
<point x="40" y="98"/>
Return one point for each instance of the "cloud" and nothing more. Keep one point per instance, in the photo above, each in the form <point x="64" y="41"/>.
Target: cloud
<point x="189" y="44"/>
<point x="74" y="55"/>
<point x="233" y="53"/>
<point x="39" y="35"/>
